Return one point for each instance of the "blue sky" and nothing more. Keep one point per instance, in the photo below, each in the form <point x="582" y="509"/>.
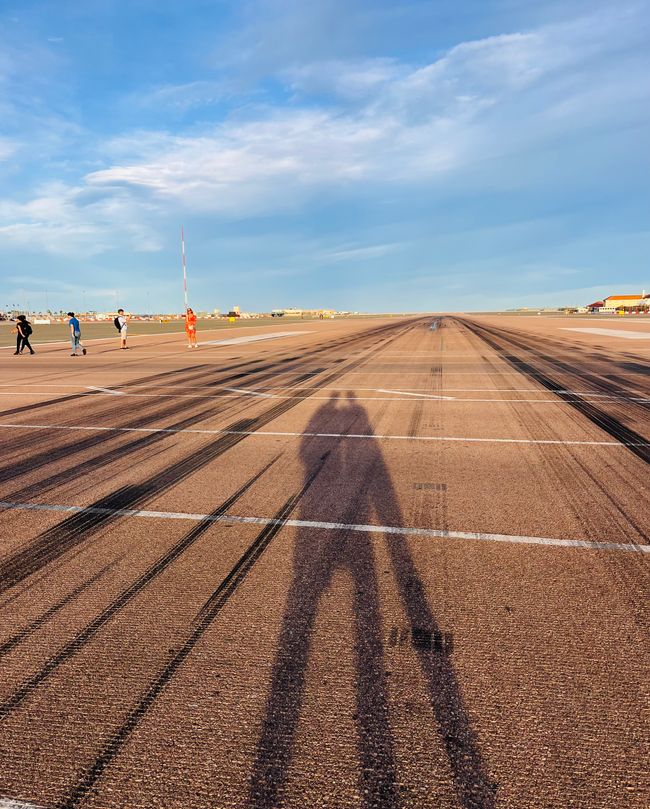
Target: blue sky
<point x="358" y="154"/>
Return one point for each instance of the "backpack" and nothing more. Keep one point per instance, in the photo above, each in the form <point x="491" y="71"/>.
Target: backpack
<point x="117" y="324"/>
<point x="27" y="328"/>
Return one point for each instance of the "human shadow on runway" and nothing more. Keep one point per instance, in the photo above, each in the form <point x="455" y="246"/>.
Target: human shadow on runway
<point x="357" y="470"/>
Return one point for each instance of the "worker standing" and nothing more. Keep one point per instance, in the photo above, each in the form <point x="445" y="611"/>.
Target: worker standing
<point x="190" y="328"/>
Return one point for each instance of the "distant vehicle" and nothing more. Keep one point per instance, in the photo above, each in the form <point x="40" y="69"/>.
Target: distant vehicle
<point x="277" y="313"/>
<point x="233" y="313"/>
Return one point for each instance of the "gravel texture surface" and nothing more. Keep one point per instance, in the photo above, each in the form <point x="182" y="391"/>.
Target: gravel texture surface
<point x="222" y="653"/>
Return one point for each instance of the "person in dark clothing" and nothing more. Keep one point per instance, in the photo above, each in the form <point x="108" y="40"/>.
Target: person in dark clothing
<point x="24" y="329"/>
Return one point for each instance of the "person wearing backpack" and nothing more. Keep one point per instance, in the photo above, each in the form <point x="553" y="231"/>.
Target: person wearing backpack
<point x="23" y="331"/>
<point x="75" y="335"/>
<point x="120" y="323"/>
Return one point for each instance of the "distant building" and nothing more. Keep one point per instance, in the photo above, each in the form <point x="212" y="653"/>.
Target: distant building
<point x="613" y="302"/>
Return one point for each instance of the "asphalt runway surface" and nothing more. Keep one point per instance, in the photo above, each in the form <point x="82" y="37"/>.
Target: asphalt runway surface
<point x="387" y="563"/>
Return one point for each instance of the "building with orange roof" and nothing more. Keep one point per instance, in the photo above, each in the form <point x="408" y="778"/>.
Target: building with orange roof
<point x="614" y="302"/>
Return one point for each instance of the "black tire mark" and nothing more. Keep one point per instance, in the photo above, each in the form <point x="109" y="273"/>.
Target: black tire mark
<point x="204" y="619"/>
<point x="73" y="531"/>
<point x="144" y="580"/>
<point x="69" y="449"/>
<point x="24" y="633"/>
<point x="633" y="441"/>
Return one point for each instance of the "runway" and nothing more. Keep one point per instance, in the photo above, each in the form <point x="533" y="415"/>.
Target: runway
<point x="394" y="562"/>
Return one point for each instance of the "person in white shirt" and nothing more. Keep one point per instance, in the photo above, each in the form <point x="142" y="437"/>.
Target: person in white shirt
<point x="123" y="325"/>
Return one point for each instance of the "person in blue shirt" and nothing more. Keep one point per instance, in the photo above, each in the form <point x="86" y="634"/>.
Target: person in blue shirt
<point x="75" y="335"/>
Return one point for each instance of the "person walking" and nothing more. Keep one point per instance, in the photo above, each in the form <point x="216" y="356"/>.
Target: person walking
<point x="75" y="335"/>
<point x="23" y="331"/>
<point x="190" y="328"/>
<point x="121" y="324"/>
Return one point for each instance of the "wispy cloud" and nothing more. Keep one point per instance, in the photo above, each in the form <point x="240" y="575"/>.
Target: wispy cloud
<point x="361" y="253"/>
<point x="369" y="151"/>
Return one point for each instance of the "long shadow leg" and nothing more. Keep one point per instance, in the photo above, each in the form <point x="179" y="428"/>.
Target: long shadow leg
<point x="283" y="706"/>
<point x="472" y="784"/>
<point x="378" y="769"/>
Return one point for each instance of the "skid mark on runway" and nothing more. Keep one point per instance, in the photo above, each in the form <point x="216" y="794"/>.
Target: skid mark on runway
<point x="504" y="344"/>
<point x="79" y="528"/>
<point x="236" y="372"/>
<point x="24" y="633"/>
<point x="127" y="595"/>
<point x="204" y="619"/>
<point x="430" y="533"/>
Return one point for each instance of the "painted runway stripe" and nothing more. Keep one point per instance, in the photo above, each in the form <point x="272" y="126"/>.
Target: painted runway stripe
<point x="106" y="390"/>
<point x="359" y="436"/>
<point x="430" y="533"/>
<point x="249" y="392"/>
<point x="418" y="395"/>
<point x="550" y="400"/>
<point x="132" y="336"/>
<point x="252" y="338"/>
<point x="628" y="335"/>
<point x="584" y="394"/>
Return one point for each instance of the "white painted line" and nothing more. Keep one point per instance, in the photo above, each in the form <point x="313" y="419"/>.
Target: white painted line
<point x="106" y="390"/>
<point x="252" y="338"/>
<point x="360" y="436"/>
<point x="628" y="335"/>
<point x="250" y="393"/>
<point x="430" y="533"/>
<point x="235" y="392"/>
<point x="616" y="395"/>
<point x="180" y="333"/>
<point x="419" y="395"/>
<point x="10" y="803"/>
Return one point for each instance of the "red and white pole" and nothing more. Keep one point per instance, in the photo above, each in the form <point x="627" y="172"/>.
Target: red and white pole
<point x="184" y="267"/>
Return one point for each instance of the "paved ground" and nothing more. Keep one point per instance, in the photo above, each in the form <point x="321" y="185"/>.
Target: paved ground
<point x="366" y="564"/>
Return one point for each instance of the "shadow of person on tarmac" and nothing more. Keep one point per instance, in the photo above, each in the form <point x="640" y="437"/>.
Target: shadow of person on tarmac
<point x="356" y="468"/>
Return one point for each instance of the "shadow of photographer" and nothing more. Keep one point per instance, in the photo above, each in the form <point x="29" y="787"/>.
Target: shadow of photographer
<point x="359" y="467"/>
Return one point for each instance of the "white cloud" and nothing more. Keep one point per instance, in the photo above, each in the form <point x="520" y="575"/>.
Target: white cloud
<point x="56" y="223"/>
<point x="436" y="127"/>
<point x="361" y="253"/>
<point x="7" y="148"/>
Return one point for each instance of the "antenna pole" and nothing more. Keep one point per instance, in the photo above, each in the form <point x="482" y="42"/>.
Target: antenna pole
<point x="184" y="266"/>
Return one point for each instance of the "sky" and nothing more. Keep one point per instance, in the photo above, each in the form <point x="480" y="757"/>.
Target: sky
<point x="370" y="155"/>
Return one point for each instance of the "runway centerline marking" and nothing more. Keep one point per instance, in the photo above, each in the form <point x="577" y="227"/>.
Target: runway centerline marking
<point x="106" y="390"/>
<point x="430" y="533"/>
<point x="422" y="395"/>
<point x="628" y="335"/>
<point x="250" y="392"/>
<point x="357" y="436"/>
<point x="550" y="400"/>
<point x="252" y="338"/>
<point x="615" y="395"/>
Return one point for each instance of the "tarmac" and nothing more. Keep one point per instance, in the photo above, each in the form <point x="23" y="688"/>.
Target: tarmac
<point x="397" y="562"/>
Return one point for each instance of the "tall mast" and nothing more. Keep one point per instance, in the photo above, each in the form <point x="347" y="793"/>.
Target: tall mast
<point x="184" y="266"/>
